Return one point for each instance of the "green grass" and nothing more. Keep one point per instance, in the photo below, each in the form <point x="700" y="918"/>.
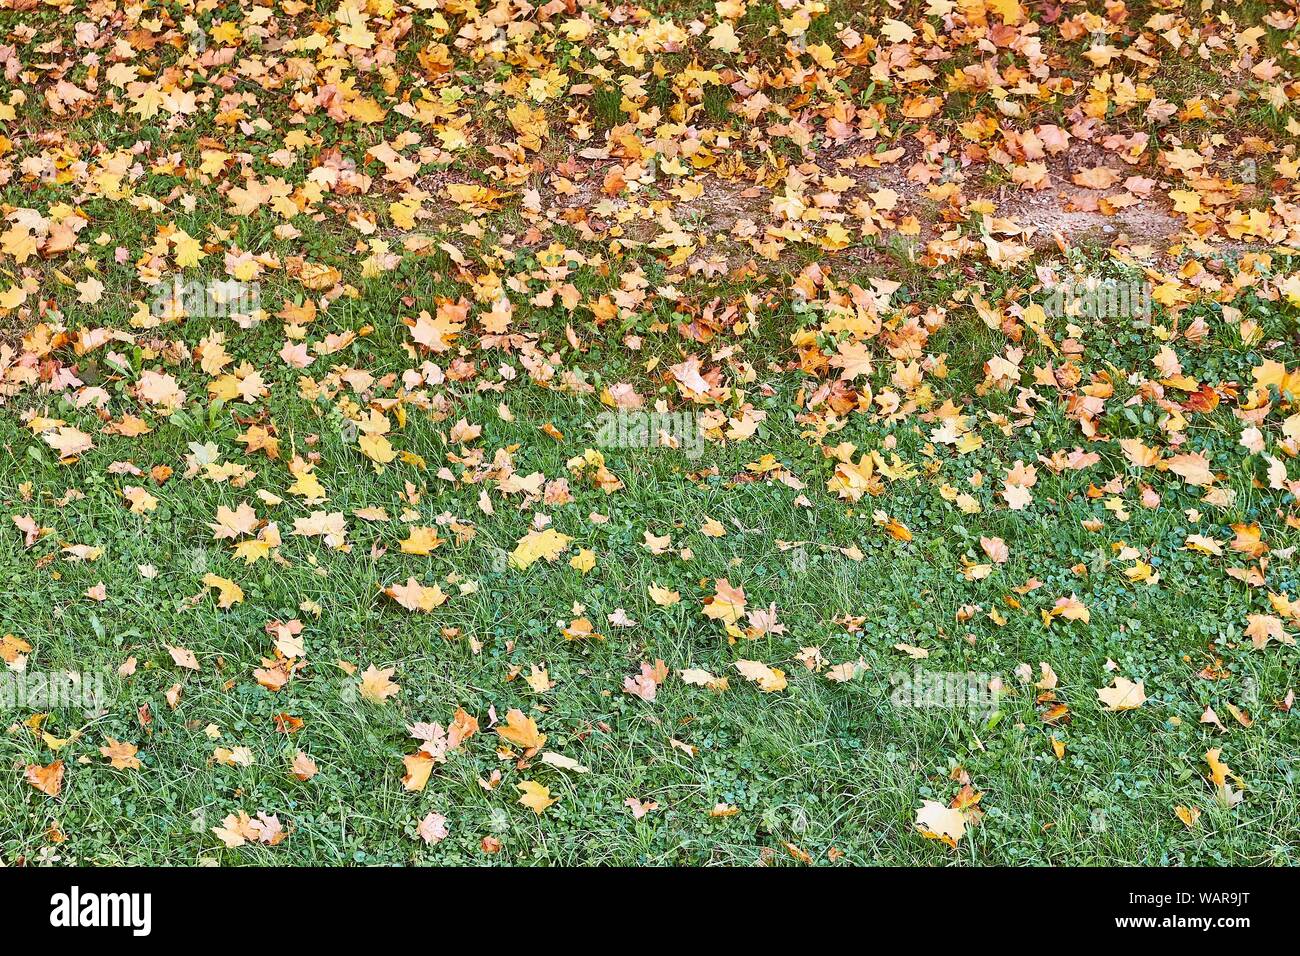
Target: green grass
<point x="821" y="766"/>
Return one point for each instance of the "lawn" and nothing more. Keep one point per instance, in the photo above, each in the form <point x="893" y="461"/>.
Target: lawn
<point x="799" y="433"/>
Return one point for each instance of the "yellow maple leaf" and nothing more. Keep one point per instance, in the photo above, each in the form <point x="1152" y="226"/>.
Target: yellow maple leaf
<point x="769" y="679"/>
<point x="306" y="485"/>
<point x="12" y="297"/>
<point x="121" y="755"/>
<point x="1193" y="468"/>
<point x="583" y="561"/>
<point x="1123" y="694"/>
<point x="48" y="780"/>
<point x="414" y="596"/>
<point x="68" y="441"/>
<point x="377" y="685"/>
<point x="233" y="524"/>
<point x="521" y="730"/>
<point x="230" y="592"/>
<point x="188" y="250"/>
<point x="418" y="768"/>
<point x="936" y="822"/>
<point x="377" y="448"/>
<point x="548" y="544"/>
<point x="535" y="796"/>
<point x="1219" y="771"/>
<point x="253" y="551"/>
<point x="664" y="597"/>
<point x="727" y="604"/>
<point x="365" y="110"/>
<point x="421" y="541"/>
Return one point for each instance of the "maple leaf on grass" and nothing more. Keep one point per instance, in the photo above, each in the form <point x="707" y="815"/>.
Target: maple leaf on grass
<point x="183" y="657"/>
<point x="521" y="730"/>
<point x="1123" y="694"/>
<point x="377" y="685"/>
<point x="727" y="603"/>
<point x="229" y="593"/>
<point x="48" y="779"/>
<point x="122" y="756"/>
<point x="934" y="821"/>
<point x="769" y="679"/>
<point x="418" y="768"/>
<point x="663" y="596"/>
<point x="234" y="524"/>
<point x="68" y="441"/>
<point x="422" y="542"/>
<point x="433" y="828"/>
<point x="436" y="334"/>
<point x="304" y="768"/>
<point x="535" y="797"/>
<point x="239" y="828"/>
<point x="548" y="544"/>
<point x="414" y="596"/>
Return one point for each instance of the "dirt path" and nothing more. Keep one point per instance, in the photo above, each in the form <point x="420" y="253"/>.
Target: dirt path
<point x="733" y="220"/>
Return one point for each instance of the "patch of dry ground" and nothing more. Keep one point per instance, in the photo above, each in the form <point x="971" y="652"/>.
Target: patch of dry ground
<point x="732" y="217"/>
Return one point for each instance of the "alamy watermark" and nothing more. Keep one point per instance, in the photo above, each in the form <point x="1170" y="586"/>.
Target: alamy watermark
<point x="50" y="690"/>
<point x="945" y="690"/>
<point x="1094" y="298"/>
<point x="636" y="429"/>
<point x="219" y="299"/>
<point x="77" y="908"/>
